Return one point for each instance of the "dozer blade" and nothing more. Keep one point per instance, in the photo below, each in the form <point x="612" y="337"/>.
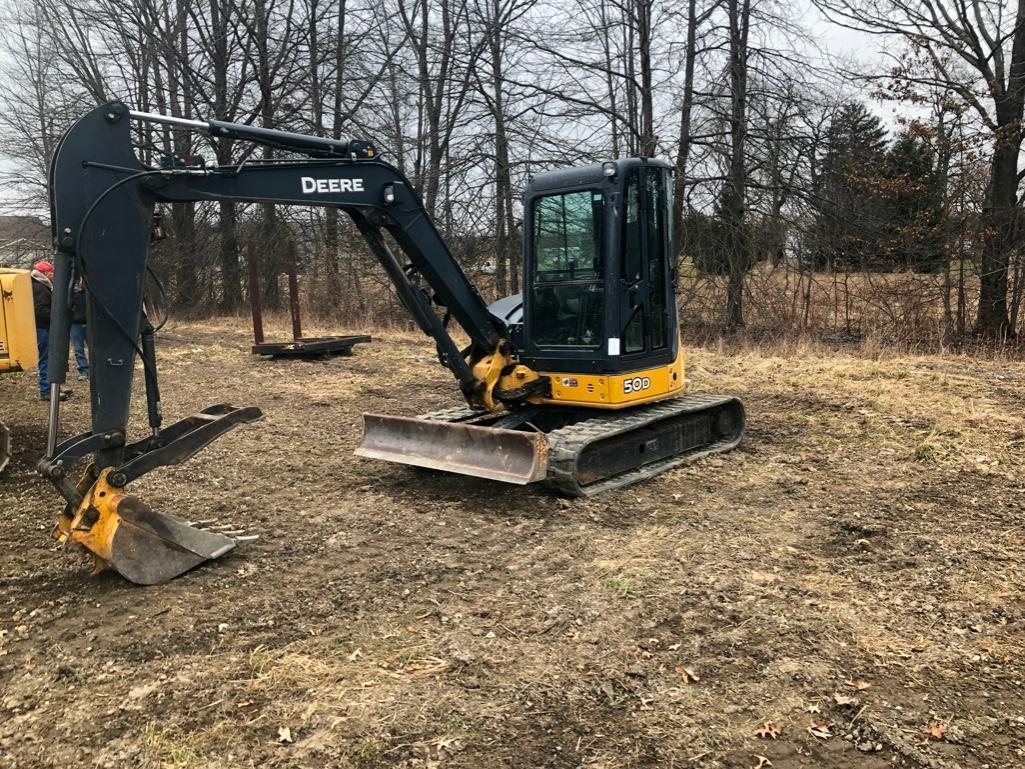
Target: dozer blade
<point x="124" y="534"/>
<point x="511" y="456"/>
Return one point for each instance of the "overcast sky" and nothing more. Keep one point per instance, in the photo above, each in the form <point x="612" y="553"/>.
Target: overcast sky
<point x="840" y="48"/>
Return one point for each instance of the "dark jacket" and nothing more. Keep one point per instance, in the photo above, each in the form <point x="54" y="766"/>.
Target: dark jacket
<point x="42" y="296"/>
<point x="78" y="306"/>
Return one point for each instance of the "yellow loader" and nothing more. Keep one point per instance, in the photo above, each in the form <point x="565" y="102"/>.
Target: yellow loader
<point x="17" y="336"/>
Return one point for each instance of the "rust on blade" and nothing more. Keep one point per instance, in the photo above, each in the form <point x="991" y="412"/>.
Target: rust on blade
<point x="509" y="456"/>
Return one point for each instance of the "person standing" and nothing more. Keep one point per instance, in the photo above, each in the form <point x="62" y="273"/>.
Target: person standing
<point x="78" y="329"/>
<point x="42" y="299"/>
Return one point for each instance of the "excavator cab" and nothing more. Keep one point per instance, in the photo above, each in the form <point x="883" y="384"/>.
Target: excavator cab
<point x="599" y="301"/>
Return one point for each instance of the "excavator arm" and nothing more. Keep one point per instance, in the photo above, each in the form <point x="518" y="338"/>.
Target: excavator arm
<point x="102" y="204"/>
<point x="103" y="199"/>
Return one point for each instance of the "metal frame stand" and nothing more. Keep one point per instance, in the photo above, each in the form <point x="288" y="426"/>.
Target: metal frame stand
<point x="300" y="346"/>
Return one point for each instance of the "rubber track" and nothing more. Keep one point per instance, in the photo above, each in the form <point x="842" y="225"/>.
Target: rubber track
<point x="568" y="443"/>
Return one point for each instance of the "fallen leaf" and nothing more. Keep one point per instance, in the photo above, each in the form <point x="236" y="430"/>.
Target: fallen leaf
<point x="355" y="655"/>
<point x="814" y="708"/>
<point x="858" y="684"/>
<point x="763" y="762"/>
<point x="1007" y="658"/>
<point x="768" y="731"/>
<point x="244" y="703"/>
<point x="936" y="730"/>
<point x="820" y="729"/>
<point x="844" y="701"/>
<point x="284" y="735"/>
<point x="688" y="675"/>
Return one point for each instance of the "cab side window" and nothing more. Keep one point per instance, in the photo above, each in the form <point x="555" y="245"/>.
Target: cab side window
<point x="643" y="262"/>
<point x="567" y="286"/>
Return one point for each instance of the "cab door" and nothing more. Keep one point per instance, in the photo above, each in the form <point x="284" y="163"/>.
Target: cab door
<point x="644" y="284"/>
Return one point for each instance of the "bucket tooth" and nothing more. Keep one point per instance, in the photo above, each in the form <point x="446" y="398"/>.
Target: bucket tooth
<point x="511" y="456"/>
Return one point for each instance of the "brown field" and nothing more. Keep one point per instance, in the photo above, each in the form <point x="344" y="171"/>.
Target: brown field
<point x="844" y="590"/>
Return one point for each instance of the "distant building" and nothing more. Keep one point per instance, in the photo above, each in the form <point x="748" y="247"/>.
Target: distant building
<point x="24" y="240"/>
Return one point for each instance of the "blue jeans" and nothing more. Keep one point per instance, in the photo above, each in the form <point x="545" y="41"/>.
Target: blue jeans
<point x="43" y="346"/>
<point x="78" y="342"/>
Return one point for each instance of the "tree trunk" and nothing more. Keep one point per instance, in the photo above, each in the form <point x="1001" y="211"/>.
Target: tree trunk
<point x="648" y="145"/>
<point x="227" y="255"/>
<point x="734" y="197"/>
<point x="1001" y="223"/>
<point x="684" y="146"/>
<point x="331" y="216"/>
<point x="227" y="249"/>
<point x="270" y="242"/>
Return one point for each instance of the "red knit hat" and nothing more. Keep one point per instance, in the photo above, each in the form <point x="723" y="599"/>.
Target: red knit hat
<point x="43" y="266"/>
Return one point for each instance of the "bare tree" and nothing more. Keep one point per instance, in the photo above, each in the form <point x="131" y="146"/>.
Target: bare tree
<point x="988" y="41"/>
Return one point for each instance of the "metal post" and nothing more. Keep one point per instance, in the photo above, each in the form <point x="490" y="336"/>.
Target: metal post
<point x="149" y="357"/>
<point x="254" y="292"/>
<point x="60" y="331"/>
<point x="293" y="292"/>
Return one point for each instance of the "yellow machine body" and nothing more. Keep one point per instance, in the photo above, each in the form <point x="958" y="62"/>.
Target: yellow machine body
<point x="17" y="321"/>
<point x="598" y="391"/>
<point x="617" y="391"/>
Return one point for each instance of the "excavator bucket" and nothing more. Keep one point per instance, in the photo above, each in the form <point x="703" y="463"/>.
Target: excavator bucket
<point x="124" y="534"/>
<point x="511" y="456"/>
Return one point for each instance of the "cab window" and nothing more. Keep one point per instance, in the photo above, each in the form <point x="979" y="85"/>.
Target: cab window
<point x="567" y="286"/>
<point x="643" y="262"/>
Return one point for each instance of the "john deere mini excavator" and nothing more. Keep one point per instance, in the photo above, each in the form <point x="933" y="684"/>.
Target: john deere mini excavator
<point x="576" y="384"/>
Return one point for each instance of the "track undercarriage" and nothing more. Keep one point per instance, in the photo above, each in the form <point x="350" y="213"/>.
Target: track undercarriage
<point x="573" y="452"/>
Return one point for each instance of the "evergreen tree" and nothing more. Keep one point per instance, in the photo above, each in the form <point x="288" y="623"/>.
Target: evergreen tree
<point x="914" y="198"/>
<point x="702" y="241"/>
<point x="875" y="207"/>
<point x="706" y="239"/>
<point x="846" y="202"/>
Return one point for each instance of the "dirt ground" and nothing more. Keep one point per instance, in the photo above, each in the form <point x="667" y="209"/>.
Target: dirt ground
<point x="844" y="590"/>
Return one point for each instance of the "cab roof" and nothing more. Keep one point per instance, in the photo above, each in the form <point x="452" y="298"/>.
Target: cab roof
<point x="580" y="176"/>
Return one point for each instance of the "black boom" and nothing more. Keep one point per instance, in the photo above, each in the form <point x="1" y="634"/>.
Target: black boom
<point x="101" y="209"/>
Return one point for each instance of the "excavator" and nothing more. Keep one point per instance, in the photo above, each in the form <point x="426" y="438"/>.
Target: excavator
<point x="575" y="384"/>
<point x="18" y="350"/>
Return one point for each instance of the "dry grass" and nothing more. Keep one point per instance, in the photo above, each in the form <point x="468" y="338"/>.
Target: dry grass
<point x="868" y="531"/>
<point x="902" y="311"/>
